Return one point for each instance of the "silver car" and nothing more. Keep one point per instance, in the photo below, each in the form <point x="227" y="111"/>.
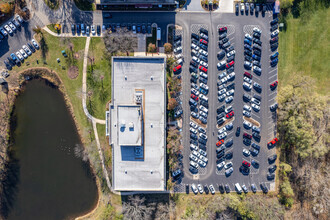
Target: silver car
<point x="194" y="164"/>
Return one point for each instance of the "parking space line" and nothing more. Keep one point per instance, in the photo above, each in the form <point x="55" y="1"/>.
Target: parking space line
<point x="272" y="98"/>
<point x="256" y="116"/>
<point x="272" y="70"/>
<point x="256" y="77"/>
<point x="272" y="76"/>
<point x="270" y="94"/>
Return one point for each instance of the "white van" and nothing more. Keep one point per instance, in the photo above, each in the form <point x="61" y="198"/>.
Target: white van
<point x="203" y="97"/>
<point x="238" y="188"/>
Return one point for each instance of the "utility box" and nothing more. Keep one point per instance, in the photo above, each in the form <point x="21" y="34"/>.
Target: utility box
<point x="158" y="33"/>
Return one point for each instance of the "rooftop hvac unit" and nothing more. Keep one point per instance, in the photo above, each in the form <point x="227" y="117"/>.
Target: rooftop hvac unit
<point x="138" y="97"/>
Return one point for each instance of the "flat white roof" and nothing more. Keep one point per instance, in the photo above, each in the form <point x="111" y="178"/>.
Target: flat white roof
<point x="138" y="168"/>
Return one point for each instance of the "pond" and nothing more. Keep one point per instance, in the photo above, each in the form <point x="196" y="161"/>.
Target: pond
<point x="48" y="176"/>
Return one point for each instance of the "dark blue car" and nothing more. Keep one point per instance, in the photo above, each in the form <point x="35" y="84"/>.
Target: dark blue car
<point x="274" y="62"/>
<point x="275" y="55"/>
<point x="246" y="41"/>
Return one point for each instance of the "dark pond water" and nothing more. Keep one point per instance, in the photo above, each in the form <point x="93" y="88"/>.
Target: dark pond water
<point x="48" y="177"/>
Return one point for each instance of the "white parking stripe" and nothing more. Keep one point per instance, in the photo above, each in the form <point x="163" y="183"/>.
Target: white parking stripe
<point x="272" y="70"/>
<point x="270" y="94"/>
<point x="255" y="116"/>
<point x="272" y="76"/>
<point x="272" y="98"/>
<point x="256" y="77"/>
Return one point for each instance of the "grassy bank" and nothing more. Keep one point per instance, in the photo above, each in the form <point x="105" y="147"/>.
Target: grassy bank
<point x="98" y="78"/>
<point x="85" y="5"/>
<point x="52" y="4"/>
<point x="304" y="48"/>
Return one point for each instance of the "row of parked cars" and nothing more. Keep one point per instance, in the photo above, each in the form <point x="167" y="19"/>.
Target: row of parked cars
<point x="226" y="90"/>
<point x="10" y="27"/>
<point x="198" y="99"/>
<point x="18" y="57"/>
<point x="225" y="188"/>
<point x="250" y="7"/>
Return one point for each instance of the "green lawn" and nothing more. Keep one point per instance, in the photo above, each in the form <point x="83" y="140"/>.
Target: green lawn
<point x="53" y="51"/>
<point x="101" y="88"/>
<point x="304" y="48"/>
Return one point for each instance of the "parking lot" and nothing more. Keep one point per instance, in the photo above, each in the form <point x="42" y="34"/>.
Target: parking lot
<point x="237" y="27"/>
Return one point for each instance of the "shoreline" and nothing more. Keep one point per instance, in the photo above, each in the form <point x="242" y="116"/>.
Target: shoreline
<point x="53" y="78"/>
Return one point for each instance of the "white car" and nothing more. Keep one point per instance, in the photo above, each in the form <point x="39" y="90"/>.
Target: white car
<point x="221" y="165"/>
<point x="204" y="36"/>
<point x="192" y="130"/>
<point x="134" y="29"/>
<point x="201" y="51"/>
<point x="23" y="53"/>
<point x="192" y="124"/>
<point x="230" y="92"/>
<point x="203" y="114"/>
<point x="247" y="124"/>
<point x="203" y="136"/>
<point x="248" y="36"/>
<point x="202" y="85"/>
<point x="231" y="75"/>
<point x="200" y="188"/>
<point x="197" y="60"/>
<point x="27" y="50"/>
<point x="274" y="34"/>
<point x="224" y="80"/>
<point x="204" y="75"/>
<point x="246" y="152"/>
<point x="179" y="61"/>
<point x="202" y="152"/>
<point x="255" y="29"/>
<point x="203" y="159"/>
<point x="201" y="163"/>
<point x="221" y="87"/>
<point x="195" y="92"/>
<point x="178" y="56"/>
<point x="19" y="55"/>
<point x="193" y="158"/>
<point x="212" y="189"/>
<point x="8" y="29"/>
<point x="222" y="97"/>
<point x="177" y="50"/>
<point x="194" y="188"/>
<point x="203" y="64"/>
<point x="194" y="164"/>
<point x="228" y="165"/>
<point x="229" y="99"/>
<point x="12" y="26"/>
<point x="196" y="153"/>
<point x="222" y="91"/>
<point x="201" y="96"/>
<point x="242" y="7"/>
<point x="247" y="64"/>
<point x="231" y="53"/>
<point x="221" y="130"/>
<point x="195" y="53"/>
<point x="247" y="86"/>
<point x="221" y="64"/>
<point x="255" y="107"/>
<point x="247" y="108"/>
<point x="35" y="44"/>
<point x="246" y="114"/>
<point x="256" y="101"/>
<point x="222" y="136"/>
<point x="194" y="46"/>
<point x="93" y="29"/>
<point x="193" y="147"/>
<point x="228" y="109"/>
<point x="247" y="79"/>
<point x="203" y="109"/>
<point x="222" y="75"/>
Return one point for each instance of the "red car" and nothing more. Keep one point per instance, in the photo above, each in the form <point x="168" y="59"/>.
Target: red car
<point x="230" y="64"/>
<point x="194" y="97"/>
<point x="203" y="69"/>
<point x="272" y="142"/>
<point x="222" y="29"/>
<point x="248" y="136"/>
<point x="274" y="85"/>
<point x="248" y="75"/>
<point x="203" y="41"/>
<point x="230" y="114"/>
<point x="219" y="143"/>
<point x="246" y="164"/>
<point x="177" y="68"/>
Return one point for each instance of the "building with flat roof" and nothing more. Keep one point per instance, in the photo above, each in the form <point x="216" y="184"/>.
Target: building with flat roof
<point x="136" y="123"/>
<point x="131" y="4"/>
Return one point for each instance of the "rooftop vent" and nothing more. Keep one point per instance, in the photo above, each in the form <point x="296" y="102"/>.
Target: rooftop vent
<point x="125" y="77"/>
<point x="138" y="97"/>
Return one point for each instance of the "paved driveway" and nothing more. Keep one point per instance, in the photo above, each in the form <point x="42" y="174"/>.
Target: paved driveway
<point x="193" y="5"/>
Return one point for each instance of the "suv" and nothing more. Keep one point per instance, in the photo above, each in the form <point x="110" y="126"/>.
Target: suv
<point x="238" y="131"/>
<point x="176" y="174"/>
<point x="264" y="187"/>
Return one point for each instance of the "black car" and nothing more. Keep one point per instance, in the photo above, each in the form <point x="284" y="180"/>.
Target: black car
<point x="194" y="142"/>
<point x="229" y="155"/>
<point x="221" y="154"/>
<point x="227" y="188"/>
<point x="231" y="58"/>
<point x="246" y="141"/>
<point x="257" y="47"/>
<point x="193" y="63"/>
<point x="256" y="136"/>
<point x="274" y="27"/>
<point x="221" y="109"/>
<point x="193" y="169"/>
<point x="221" y="189"/>
<point x="274" y="46"/>
<point x="196" y="36"/>
<point x="256" y="63"/>
<point x="221" y="55"/>
<point x="98" y="30"/>
<point x="230" y="70"/>
<point x="236" y="8"/>
<point x="204" y="58"/>
<point x="256" y="35"/>
<point x="226" y="45"/>
<point x="220" y="121"/>
<point x="255" y="164"/>
<point x="257" y="86"/>
<point x="275" y="21"/>
<point x="257" y="41"/>
<point x="273" y="40"/>
<point x="248" y="47"/>
<point x="8" y="65"/>
<point x="238" y="131"/>
<point x="11" y="61"/>
<point x="270" y="176"/>
<point x="203" y="80"/>
<point x="203" y="30"/>
<point x="257" y="52"/>
<point x="222" y="36"/>
<point x="192" y="69"/>
<point x="221" y="115"/>
<point x="229" y="49"/>
<point x="193" y="136"/>
<point x="231" y="86"/>
<point x="264" y="187"/>
<point x="205" y="104"/>
<point x="194" y="41"/>
<point x="253" y="188"/>
<point x="177" y="38"/>
<point x="247" y="52"/>
<point x="204" y="47"/>
<point x="246" y="97"/>
<point x="272" y="169"/>
<point x="202" y="141"/>
<point x="273" y="107"/>
<point x="248" y="58"/>
<point x="73" y="29"/>
<point x="244" y="170"/>
<point x="223" y="41"/>
<point x="272" y="159"/>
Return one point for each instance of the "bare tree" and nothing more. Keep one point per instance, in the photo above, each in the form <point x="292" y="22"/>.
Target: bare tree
<point x="122" y="41"/>
<point x="136" y="208"/>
